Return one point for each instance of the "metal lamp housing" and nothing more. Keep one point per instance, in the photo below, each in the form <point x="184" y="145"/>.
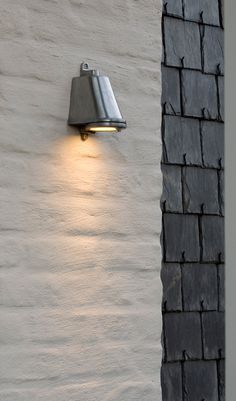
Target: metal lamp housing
<point x="93" y="107"/>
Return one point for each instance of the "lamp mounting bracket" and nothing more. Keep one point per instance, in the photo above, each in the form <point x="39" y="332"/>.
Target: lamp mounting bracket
<point x="86" y="70"/>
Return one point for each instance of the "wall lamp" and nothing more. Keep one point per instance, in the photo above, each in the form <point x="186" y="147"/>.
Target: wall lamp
<point x="93" y="107"/>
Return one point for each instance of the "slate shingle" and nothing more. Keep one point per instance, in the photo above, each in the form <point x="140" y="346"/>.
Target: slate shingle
<point x="181" y="238"/>
<point x="212" y="238"/>
<point x="213" y="49"/>
<point x="182" y="140"/>
<point x="210" y="9"/>
<point x="172" y="188"/>
<point x="221" y="96"/>
<point x="171" y="382"/>
<point x="222" y="13"/>
<point x="222" y="380"/>
<point x="221" y="189"/>
<point x="199" y="287"/>
<point x="221" y="278"/>
<point x="183" y="336"/>
<point x="173" y="7"/>
<point x="201" y="380"/>
<point x="182" y="40"/>
<point x="200" y="188"/>
<point x="213" y="334"/>
<point x="199" y="94"/>
<point x="171" y="281"/>
<point x="213" y="143"/>
<point x="171" y="90"/>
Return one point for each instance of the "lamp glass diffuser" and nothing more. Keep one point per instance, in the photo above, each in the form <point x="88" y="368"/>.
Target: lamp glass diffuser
<point x="93" y="107"/>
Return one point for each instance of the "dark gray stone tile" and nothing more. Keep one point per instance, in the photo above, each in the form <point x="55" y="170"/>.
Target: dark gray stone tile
<point x="183" y="336"/>
<point x="221" y="189"/>
<point x="212" y="238"/>
<point x="171" y="281"/>
<point x="221" y="276"/>
<point x="171" y="90"/>
<point x="171" y="382"/>
<point x="200" y="287"/>
<point x="213" y="143"/>
<point x="222" y="12"/>
<point x="181" y="237"/>
<point x="221" y="97"/>
<point x="173" y="7"/>
<point x="199" y="94"/>
<point x="182" y="140"/>
<point x="182" y="39"/>
<point x="200" y="187"/>
<point x="210" y="9"/>
<point x="213" y="324"/>
<point x="222" y="380"/>
<point x="172" y="188"/>
<point x="213" y="49"/>
<point x="201" y="380"/>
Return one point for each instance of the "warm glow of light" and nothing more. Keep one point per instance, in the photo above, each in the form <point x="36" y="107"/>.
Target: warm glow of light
<point x="102" y="129"/>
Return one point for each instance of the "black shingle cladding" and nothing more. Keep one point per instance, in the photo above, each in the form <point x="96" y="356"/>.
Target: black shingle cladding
<point x="193" y="200"/>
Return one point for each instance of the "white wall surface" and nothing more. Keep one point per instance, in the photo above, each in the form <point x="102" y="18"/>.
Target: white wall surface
<point x="80" y="290"/>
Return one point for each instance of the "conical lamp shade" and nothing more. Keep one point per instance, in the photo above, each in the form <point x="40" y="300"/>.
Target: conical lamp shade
<point x="93" y="107"/>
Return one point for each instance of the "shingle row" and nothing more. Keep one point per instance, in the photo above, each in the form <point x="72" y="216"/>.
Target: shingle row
<point x="193" y="238"/>
<point x="194" y="336"/>
<point x="192" y="190"/>
<point x="193" y="287"/>
<point x="191" y="93"/>
<point x="189" y="45"/>
<point x="202" y="11"/>
<point x="178" y="379"/>
<point x="188" y="141"/>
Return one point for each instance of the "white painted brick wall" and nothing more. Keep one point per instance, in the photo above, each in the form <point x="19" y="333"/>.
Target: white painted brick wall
<point x="80" y="291"/>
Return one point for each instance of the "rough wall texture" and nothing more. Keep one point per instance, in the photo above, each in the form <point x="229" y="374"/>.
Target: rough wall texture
<point x="192" y="201"/>
<point x="80" y="291"/>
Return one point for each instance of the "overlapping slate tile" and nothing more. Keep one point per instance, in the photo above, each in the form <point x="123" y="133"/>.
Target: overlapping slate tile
<point x="221" y="4"/>
<point x="182" y="43"/>
<point x="221" y="278"/>
<point x="183" y="336"/>
<point x="173" y="7"/>
<point x="202" y="10"/>
<point x="181" y="238"/>
<point x="213" y="334"/>
<point x="199" y="95"/>
<point x="213" y="143"/>
<point x="200" y="287"/>
<point x="171" y="382"/>
<point x="171" y="90"/>
<point x="171" y="281"/>
<point x="221" y="191"/>
<point x="221" y="378"/>
<point x="182" y="140"/>
<point x="213" y="49"/>
<point x="221" y="97"/>
<point x="201" y="380"/>
<point x="212" y="238"/>
<point x="200" y="189"/>
<point x="172" y="188"/>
